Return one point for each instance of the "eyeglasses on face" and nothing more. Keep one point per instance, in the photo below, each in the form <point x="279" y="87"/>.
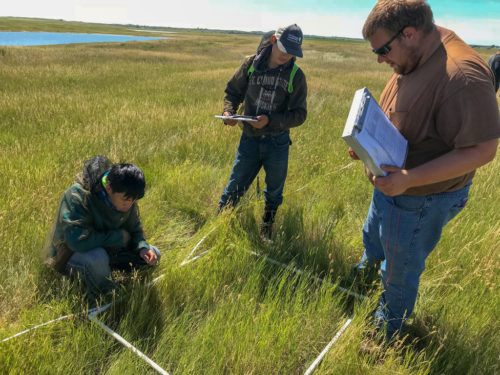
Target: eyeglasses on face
<point x="385" y="49"/>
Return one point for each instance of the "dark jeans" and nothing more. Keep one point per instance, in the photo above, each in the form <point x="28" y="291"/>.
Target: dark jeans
<point x="95" y="266"/>
<point x="268" y="151"/>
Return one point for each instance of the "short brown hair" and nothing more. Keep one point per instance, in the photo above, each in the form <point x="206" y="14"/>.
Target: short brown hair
<point x="393" y="15"/>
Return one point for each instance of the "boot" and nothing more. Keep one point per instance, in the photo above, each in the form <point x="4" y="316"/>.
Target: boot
<point x="363" y="276"/>
<point x="266" y="227"/>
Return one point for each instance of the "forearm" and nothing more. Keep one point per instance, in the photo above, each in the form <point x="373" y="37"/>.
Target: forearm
<point x="77" y="224"/>
<point x="295" y="113"/>
<point x="450" y="165"/>
<point x="236" y="89"/>
<point x="133" y="226"/>
<point x="288" y="119"/>
<point x="82" y="239"/>
<point x="138" y="241"/>
<point x="453" y="164"/>
<point x="235" y="93"/>
<point x="231" y="104"/>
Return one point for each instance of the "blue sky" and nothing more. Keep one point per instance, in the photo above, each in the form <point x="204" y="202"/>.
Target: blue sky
<point x="476" y="21"/>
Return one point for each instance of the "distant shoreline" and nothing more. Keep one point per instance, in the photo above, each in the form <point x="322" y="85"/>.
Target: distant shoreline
<point x="44" y="38"/>
<point x="155" y="31"/>
<point x="174" y="30"/>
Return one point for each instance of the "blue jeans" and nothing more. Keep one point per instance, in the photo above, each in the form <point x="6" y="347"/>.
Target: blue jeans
<point x="268" y="151"/>
<point x="400" y="232"/>
<point x="95" y="266"/>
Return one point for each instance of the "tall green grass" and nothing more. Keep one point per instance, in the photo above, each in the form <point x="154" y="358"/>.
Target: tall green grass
<point x="152" y="103"/>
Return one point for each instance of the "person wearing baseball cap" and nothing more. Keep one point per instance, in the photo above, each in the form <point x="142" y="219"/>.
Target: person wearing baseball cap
<point x="289" y="40"/>
<point x="274" y="91"/>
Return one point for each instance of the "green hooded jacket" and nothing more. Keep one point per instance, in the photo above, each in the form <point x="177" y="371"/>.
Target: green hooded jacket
<point x="84" y="222"/>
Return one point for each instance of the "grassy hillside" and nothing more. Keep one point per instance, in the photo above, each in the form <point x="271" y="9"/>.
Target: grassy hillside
<point x="152" y="104"/>
<point x="49" y="25"/>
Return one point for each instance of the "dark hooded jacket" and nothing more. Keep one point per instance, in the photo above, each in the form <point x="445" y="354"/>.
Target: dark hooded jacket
<point x="494" y="63"/>
<point x="265" y="91"/>
<point x="85" y="222"/>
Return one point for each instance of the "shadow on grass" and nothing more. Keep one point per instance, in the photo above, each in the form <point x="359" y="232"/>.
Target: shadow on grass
<point x="188" y="213"/>
<point x="135" y="315"/>
<point x="308" y="243"/>
<point x="53" y="287"/>
<point x="309" y="246"/>
<point x="452" y="350"/>
<point x="306" y="246"/>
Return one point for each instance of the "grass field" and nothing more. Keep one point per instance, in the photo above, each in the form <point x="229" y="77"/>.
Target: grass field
<point x="152" y="104"/>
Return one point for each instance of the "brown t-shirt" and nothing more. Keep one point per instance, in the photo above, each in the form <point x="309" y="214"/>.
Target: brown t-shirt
<point x="447" y="102"/>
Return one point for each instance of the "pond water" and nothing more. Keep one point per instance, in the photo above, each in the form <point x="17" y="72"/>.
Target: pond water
<point x="26" y="38"/>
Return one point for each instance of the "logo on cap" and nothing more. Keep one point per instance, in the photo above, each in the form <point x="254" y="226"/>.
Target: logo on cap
<point x="289" y="40"/>
<point x="293" y="38"/>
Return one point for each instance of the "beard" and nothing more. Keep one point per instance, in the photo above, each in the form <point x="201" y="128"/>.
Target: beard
<point x="411" y="61"/>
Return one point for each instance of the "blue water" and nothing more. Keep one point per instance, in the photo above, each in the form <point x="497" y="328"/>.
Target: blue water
<point x="25" y="38"/>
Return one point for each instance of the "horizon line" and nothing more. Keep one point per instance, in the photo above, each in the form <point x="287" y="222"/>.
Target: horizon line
<point x="227" y="31"/>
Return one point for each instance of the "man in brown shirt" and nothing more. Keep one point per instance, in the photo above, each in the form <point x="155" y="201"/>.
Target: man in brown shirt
<point x="441" y="98"/>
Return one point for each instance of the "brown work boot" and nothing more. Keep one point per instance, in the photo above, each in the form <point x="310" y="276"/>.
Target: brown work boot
<point x="372" y="343"/>
<point x="266" y="227"/>
<point x="266" y="232"/>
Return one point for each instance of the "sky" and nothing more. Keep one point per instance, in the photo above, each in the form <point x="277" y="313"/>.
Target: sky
<point x="475" y="21"/>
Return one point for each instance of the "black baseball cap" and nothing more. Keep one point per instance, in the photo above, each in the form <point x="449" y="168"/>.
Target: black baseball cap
<point x="289" y="40"/>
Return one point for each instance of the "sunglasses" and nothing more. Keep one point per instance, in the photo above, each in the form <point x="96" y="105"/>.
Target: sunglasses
<point x="385" y="49"/>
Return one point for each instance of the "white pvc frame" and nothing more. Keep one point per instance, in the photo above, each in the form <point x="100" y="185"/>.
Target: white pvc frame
<point x="316" y="362"/>
<point x="154" y="365"/>
<point x="92" y="314"/>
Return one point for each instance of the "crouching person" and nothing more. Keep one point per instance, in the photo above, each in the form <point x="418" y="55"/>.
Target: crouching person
<point x="98" y="228"/>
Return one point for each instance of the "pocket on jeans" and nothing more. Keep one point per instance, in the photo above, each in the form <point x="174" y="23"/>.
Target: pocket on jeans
<point x="409" y="203"/>
<point x="455" y="209"/>
<point x="282" y="140"/>
<point x="244" y="138"/>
